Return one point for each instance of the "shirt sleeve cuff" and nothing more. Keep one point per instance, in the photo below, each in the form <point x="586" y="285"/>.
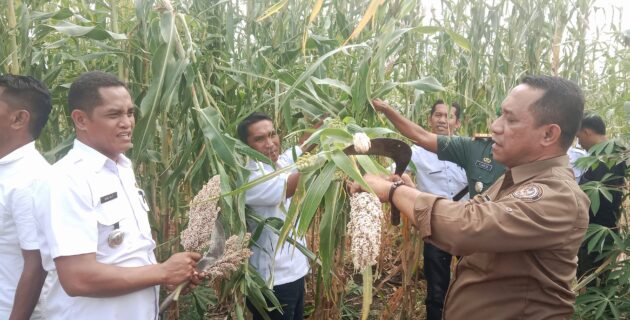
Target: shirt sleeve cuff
<point x="422" y="208"/>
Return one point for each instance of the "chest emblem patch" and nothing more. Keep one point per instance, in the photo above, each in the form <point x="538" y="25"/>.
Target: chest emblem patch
<point x="528" y="193"/>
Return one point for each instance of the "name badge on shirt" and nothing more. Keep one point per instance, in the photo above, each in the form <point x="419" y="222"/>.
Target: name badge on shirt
<point x="483" y="165"/>
<point x="109" y="197"/>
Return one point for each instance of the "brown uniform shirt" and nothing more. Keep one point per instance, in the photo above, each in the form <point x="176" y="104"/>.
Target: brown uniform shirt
<point x="519" y="243"/>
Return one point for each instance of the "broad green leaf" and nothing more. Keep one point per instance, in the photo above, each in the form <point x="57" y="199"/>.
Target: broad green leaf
<point x="426" y="84"/>
<point x="360" y="89"/>
<point x="73" y="30"/>
<point x="345" y="164"/>
<point x="458" y="39"/>
<point x="314" y="197"/>
<point x="312" y="68"/>
<point x="210" y="124"/>
<point x="333" y="83"/>
<point x="328" y="229"/>
<point x="427" y="29"/>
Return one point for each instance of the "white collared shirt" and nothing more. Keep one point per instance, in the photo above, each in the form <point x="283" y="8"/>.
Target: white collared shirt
<point x="18" y="170"/>
<point x="439" y="177"/>
<point x="574" y="154"/>
<point x="268" y="200"/>
<point x="85" y="199"/>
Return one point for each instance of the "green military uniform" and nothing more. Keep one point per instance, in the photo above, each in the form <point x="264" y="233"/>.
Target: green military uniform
<point x="475" y="156"/>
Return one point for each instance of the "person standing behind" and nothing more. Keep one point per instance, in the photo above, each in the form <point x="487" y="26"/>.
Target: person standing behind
<point x="442" y="178"/>
<point x="575" y="154"/>
<point x="94" y="230"/>
<point x="285" y="267"/>
<point x="25" y="104"/>
<point x="593" y="132"/>
<point x="472" y="154"/>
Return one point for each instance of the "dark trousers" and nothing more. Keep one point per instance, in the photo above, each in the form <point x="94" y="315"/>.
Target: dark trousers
<point x="291" y="298"/>
<point x="588" y="263"/>
<point x="437" y="271"/>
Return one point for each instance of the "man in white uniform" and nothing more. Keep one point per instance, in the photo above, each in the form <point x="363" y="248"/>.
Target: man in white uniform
<point x="24" y="108"/>
<point x="443" y="178"/>
<point x="287" y="266"/>
<point x="94" y="226"/>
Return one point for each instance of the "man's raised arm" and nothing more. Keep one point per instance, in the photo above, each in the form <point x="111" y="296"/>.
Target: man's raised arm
<point x="408" y="128"/>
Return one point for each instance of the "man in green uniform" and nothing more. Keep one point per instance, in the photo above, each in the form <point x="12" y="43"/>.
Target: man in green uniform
<point x="472" y="154"/>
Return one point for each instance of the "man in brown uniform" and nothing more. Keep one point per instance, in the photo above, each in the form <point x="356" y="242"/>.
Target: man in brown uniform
<point x="520" y="238"/>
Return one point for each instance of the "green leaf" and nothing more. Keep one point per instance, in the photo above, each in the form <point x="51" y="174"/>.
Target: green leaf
<point x="427" y="29"/>
<point x="223" y="147"/>
<point x="458" y="39"/>
<point x="73" y="30"/>
<point x="426" y="84"/>
<point x="359" y="89"/>
<point x="343" y="162"/>
<point x="333" y="83"/>
<point x="314" y="197"/>
<point x="328" y="230"/>
<point x="312" y="68"/>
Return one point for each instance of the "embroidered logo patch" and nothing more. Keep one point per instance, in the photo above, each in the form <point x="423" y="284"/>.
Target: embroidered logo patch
<point x="528" y="193"/>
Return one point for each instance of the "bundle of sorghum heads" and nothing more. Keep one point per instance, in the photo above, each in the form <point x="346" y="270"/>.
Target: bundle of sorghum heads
<point x="236" y="253"/>
<point x="361" y="142"/>
<point x="365" y="229"/>
<point x="334" y="123"/>
<point x="201" y="216"/>
<point x="306" y="161"/>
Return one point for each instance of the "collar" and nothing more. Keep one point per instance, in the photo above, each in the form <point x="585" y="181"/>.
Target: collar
<point x="19" y="153"/>
<point x="95" y="160"/>
<point x="255" y="165"/>
<point x="529" y="170"/>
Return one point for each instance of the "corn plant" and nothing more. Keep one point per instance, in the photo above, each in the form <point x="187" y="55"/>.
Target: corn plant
<point x="195" y="68"/>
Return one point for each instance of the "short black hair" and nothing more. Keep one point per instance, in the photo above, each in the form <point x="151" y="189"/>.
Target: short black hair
<point x="84" y="94"/>
<point x="562" y="104"/>
<point x="455" y="105"/>
<point x="594" y="122"/>
<point x="31" y="94"/>
<point x="243" y="127"/>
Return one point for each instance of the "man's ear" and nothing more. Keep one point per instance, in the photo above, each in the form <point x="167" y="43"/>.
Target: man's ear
<point x="457" y="124"/>
<point x="551" y="134"/>
<point x="20" y="119"/>
<point x="80" y="118"/>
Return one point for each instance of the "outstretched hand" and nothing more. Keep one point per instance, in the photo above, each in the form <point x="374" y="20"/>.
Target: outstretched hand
<point x="380" y="105"/>
<point x="380" y="184"/>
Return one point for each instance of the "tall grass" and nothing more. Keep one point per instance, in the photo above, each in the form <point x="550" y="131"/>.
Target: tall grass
<point x="195" y="68"/>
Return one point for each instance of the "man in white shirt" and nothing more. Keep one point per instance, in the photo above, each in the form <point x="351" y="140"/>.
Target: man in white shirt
<point x="575" y="154"/>
<point x="94" y="228"/>
<point x="287" y="266"/>
<point x="24" y="108"/>
<point x="443" y="178"/>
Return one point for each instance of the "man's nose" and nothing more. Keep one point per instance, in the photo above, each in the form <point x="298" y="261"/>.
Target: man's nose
<point x="495" y="127"/>
<point x="125" y="121"/>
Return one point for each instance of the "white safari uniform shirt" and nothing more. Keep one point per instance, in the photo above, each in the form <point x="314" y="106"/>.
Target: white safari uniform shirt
<point x="82" y="201"/>
<point x="268" y="200"/>
<point x="18" y="231"/>
<point x="439" y="177"/>
<point x="574" y="154"/>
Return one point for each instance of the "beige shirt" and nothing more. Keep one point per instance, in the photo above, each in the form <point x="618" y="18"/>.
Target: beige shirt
<point x="519" y="244"/>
